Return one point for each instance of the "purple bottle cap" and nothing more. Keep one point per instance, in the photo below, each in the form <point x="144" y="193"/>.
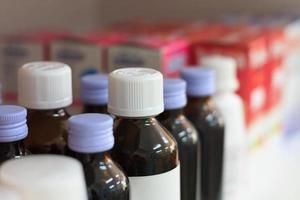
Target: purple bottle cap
<point x="174" y="93"/>
<point x="13" y="125"/>
<point x="200" y="81"/>
<point x="94" y="89"/>
<point x="90" y="133"/>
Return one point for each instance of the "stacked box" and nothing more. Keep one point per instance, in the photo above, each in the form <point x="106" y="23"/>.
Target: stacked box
<point x="248" y="46"/>
<point x="18" y="49"/>
<point x="85" y="54"/>
<point x="158" y="46"/>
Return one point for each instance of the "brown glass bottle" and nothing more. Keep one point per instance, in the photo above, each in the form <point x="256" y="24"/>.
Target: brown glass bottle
<point x="45" y="89"/>
<point x="146" y="151"/>
<point x="48" y="131"/>
<point x="187" y="139"/>
<point x="202" y="113"/>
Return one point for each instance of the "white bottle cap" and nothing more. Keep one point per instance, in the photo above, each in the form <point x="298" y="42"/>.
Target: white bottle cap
<point x="45" y="85"/>
<point x="47" y="177"/>
<point x="135" y="92"/>
<point x="225" y="69"/>
<point x="7" y="193"/>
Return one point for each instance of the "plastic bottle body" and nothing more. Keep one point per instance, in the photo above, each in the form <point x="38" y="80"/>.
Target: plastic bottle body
<point x="231" y="107"/>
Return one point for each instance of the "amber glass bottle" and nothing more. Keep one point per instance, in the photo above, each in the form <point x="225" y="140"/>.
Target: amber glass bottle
<point x="147" y="152"/>
<point x="45" y="88"/>
<point x="184" y="133"/>
<point x="203" y="114"/>
<point x="13" y="130"/>
<point x="94" y="93"/>
<point x="90" y="139"/>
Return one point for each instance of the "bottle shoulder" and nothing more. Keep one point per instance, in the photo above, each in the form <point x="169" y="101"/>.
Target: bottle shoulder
<point x="206" y="113"/>
<point x="182" y="129"/>
<point x="57" y="114"/>
<point x="148" y="134"/>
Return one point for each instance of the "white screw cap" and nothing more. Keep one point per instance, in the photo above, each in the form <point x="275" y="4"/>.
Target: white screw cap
<point x="45" y="85"/>
<point x="135" y="92"/>
<point x="47" y="177"/>
<point x="225" y="70"/>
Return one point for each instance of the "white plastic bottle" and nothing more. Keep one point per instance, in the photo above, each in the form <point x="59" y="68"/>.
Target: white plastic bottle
<point x="45" y="177"/>
<point x="232" y="109"/>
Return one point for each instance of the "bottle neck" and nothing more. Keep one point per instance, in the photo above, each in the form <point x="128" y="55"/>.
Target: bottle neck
<point x="172" y="113"/>
<point x="90" y="157"/>
<point x="12" y="149"/>
<point x="51" y="112"/>
<point x="90" y="108"/>
<point x="199" y="100"/>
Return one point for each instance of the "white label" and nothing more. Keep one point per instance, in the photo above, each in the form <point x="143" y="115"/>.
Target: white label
<point x="164" y="186"/>
<point x="83" y="58"/>
<point x="131" y="56"/>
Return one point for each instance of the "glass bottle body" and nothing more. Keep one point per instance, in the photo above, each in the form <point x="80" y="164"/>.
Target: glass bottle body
<point x="104" y="178"/>
<point x="202" y="112"/>
<point x="11" y="150"/>
<point x="47" y="131"/>
<point x="187" y="139"/>
<point x="149" y="155"/>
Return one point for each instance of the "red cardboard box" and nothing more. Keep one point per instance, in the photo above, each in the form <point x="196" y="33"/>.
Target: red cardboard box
<point x="18" y="49"/>
<point x="85" y="54"/>
<point x="159" y="46"/>
<point x="249" y="48"/>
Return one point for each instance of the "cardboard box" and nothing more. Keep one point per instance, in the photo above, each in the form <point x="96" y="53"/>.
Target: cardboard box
<point x="18" y="49"/>
<point x="248" y="46"/>
<point x="85" y="54"/>
<point x="159" y="46"/>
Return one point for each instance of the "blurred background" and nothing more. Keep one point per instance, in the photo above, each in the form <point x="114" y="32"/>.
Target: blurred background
<point x="96" y="36"/>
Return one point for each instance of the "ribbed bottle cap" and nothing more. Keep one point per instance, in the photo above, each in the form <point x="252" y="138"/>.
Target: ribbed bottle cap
<point x="13" y="125"/>
<point x="7" y="193"/>
<point x="200" y="81"/>
<point x="90" y="133"/>
<point x="94" y="89"/>
<point x="135" y="92"/>
<point x="45" y="85"/>
<point x="225" y="69"/>
<point x="174" y="93"/>
<point x="47" y="177"/>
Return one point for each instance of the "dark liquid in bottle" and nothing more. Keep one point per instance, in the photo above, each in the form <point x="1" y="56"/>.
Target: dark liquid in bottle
<point x="103" y="177"/>
<point x="202" y="113"/>
<point x="47" y="131"/>
<point x="187" y="140"/>
<point x="143" y="147"/>
<point x="88" y="108"/>
<point x="10" y="150"/>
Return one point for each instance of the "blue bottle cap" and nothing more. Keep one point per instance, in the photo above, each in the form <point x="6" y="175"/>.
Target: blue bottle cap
<point x="90" y="133"/>
<point x="174" y="93"/>
<point x="200" y="81"/>
<point x="13" y="125"/>
<point x="94" y="89"/>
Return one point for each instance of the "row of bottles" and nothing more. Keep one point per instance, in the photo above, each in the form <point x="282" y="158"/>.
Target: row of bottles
<point x="161" y="138"/>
